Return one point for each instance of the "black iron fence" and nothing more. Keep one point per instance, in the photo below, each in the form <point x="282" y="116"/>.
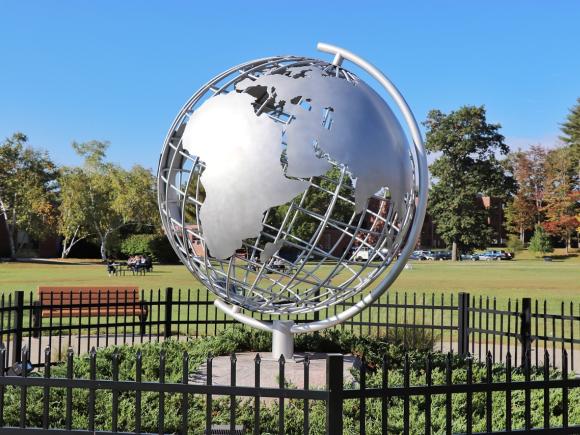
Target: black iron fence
<point x="459" y="323"/>
<point x="450" y="396"/>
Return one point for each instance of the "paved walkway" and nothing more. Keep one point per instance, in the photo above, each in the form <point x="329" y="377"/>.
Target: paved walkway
<point x="270" y="370"/>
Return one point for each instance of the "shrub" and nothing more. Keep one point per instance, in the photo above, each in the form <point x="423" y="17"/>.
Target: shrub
<point x="514" y="244"/>
<point x="155" y="246"/>
<point x="236" y="340"/>
<point x="540" y="242"/>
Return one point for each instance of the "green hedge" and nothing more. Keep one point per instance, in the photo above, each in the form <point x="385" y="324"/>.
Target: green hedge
<point x="244" y="340"/>
<point x="155" y="246"/>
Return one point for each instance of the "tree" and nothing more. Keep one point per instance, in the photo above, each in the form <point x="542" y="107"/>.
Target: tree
<point x="537" y="178"/>
<point x="110" y="197"/>
<point x="571" y="134"/>
<point x="520" y="216"/>
<point x="540" y="242"/>
<point x="524" y="209"/>
<point x="466" y="167"/>
<point x="74" y="219"/>
<point x="26" y="190"/>
<point x="561" y="198"/>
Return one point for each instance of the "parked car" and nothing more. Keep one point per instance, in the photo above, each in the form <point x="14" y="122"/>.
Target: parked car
<point x="470" y="257"/>
<point x="438" y="255"/>
<point x="417" y="255"/>
<point x="429" y="255"/>
<point x="496" y="255"/>
<point x="444" y="255"/>
<point x="361" y="254"/>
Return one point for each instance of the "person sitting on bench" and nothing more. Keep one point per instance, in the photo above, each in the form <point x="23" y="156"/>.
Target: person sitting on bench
<point x="111" y="269"/>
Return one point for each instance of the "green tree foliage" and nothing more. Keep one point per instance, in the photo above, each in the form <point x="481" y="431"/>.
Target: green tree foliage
<point x="571" y="137"/>
<point x="316" y="202"/>
<point x="466" y="167"/>
<point x="514" y="244"/>
<point x="73" y="221"/>
<point x="109" y="197"/>
<point x="571" y="133"/>
<point x="540" y="242"/>
<point x="26" y="190"/>
<point x="155" y="246"/>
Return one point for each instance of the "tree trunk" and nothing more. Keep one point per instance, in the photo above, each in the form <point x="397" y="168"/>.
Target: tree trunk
<point x="103" y="248"/>
<point x="522" y="235"/>
<point x="65" y="249"/>
<point x="67" y="244"/>
<point x="9" y="231"/>
<point x="454" y="256"/>
<point x="14" y="233"/>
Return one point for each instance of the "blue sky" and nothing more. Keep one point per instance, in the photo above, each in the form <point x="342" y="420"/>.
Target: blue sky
<point x="120" y="70"/>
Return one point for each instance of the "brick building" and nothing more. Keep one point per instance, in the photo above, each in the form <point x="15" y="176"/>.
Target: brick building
<point x="496" y="220"/>
<point x="49" y="247"/>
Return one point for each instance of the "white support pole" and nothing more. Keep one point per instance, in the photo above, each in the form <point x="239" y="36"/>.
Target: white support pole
<point x="282" y="339"/>
<point x="281" y="330"/>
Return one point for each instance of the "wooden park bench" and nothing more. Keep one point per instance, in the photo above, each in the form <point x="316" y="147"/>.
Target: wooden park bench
<point x="60" y="302"/>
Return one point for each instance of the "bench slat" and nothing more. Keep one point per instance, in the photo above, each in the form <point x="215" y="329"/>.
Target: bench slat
<point x="99" y="301"/>
<point x="85" y="312"/>
<point x="85" y="299"/>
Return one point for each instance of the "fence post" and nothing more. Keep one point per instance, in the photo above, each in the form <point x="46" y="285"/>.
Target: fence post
<point x="168" y="311"/>
<point x="526" y="330"/>
<point x="334" y="384"/>
<point x="463" y="324"/>
<point x="317" y="312"/>
<point x="18" y="322"/>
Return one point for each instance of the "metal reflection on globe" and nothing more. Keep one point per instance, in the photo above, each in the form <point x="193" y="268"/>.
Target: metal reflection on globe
<point x="287" y="184"/>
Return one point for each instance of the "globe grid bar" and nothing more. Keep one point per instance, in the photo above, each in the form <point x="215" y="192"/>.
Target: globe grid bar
<point x="332" y="278"/>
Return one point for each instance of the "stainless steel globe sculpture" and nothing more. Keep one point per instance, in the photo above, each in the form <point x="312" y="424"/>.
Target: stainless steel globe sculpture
<point x="287" y="184"/>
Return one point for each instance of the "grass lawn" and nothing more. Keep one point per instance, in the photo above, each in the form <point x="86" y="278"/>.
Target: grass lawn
<point x="557" y="281"/>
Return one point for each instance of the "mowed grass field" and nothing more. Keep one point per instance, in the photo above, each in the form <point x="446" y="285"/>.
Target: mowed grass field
<point x="556" y="281"/>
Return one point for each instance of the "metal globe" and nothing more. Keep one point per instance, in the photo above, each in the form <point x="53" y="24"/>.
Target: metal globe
<point x="287" y="185"/>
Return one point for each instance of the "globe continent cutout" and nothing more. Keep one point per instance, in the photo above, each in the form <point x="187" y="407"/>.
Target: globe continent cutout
<point x="262" y="141"/>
